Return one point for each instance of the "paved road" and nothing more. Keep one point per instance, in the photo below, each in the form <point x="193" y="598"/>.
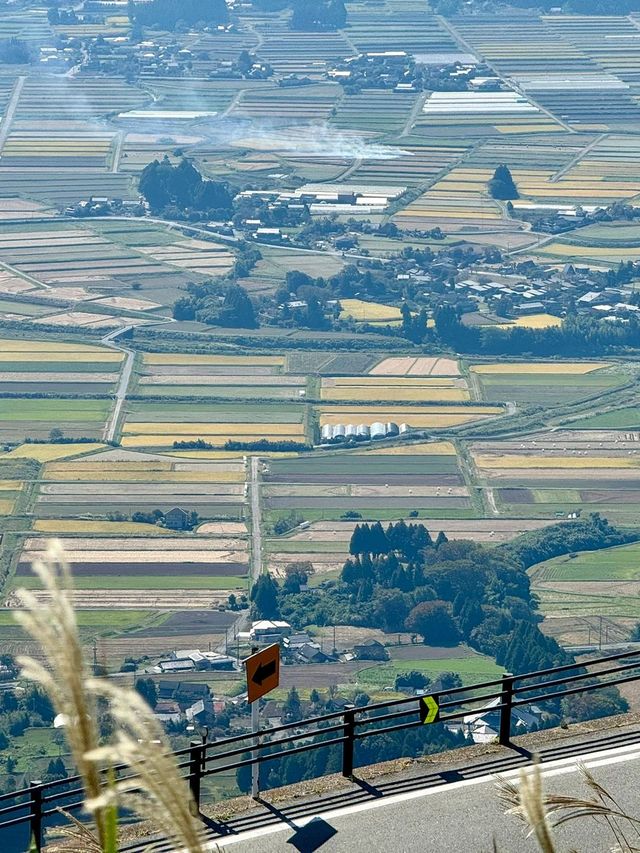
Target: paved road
<point x="459" y="817"/>
<point x="123" y="383"/>
<point x="255" y="568"/>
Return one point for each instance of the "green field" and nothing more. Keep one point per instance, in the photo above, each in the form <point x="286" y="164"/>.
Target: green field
<point x="611" y="564"/>
<point x="90" y="622"/>
<point x="628" y="418"/>
<point x="546" y="389"/>
<point x="25" y="409"/>
<point x="214" y="413"/>
<point x="471" y="670"/>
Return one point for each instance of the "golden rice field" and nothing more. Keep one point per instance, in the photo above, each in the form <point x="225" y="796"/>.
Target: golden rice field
<point x="606" y="253"/>
<point x="358" y="309"/>
<point x="49" y="452"/>
<point x="239" y="360"/>
<point x="498" y="460"/>
<point x="70" y="525"/>
<point x="9" y="345"/>
<point x="533" y="321"/>
<point x="425" y="448"/>
<point x="390" y="393"/>
<point x="102" y="356"/>
<point x="573" y="368"/>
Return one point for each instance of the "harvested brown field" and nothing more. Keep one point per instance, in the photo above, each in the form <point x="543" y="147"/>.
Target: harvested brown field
<point x="130" y="599"/>
<point x="108" y="568"/>
<point x="423" y="366"/>
<point x="517" y="496"/>
<point x="148" y="558"/>
<point x="619" y="496"/>
<point x="320" y="675"/>
<point x="136" y="544"/>
<point x="373" y="503"/>
<point x="407" y="480"/>
<point x="223" y="528"/>
<point x="190" y="622"/>
<point x="479" y="529"/>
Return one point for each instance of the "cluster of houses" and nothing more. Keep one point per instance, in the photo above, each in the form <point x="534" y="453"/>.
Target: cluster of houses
<point x="186" y="702"/>
<point x="189" y="660"/>
<point x="514" y="295"/>
<point x="193" y="703"/>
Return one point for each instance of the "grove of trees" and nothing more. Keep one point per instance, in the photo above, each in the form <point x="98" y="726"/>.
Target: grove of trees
<point x="182" y="187"/>
<point x="165" y="14"/>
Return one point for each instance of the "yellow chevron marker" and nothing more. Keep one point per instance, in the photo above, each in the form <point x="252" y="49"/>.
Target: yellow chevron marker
<point x="429" y="709"/>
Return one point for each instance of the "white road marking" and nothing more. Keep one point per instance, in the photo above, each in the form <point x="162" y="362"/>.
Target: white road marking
<point x="559" y="767"/>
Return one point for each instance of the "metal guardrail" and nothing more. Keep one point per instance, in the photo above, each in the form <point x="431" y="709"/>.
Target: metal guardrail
<point x="33" y="805"/>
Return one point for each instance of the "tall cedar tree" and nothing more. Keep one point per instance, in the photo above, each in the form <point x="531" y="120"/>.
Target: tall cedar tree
<point x="502" y="185"/>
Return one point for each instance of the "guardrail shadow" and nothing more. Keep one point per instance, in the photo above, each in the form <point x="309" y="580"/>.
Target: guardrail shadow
<point x="360" y="790"/>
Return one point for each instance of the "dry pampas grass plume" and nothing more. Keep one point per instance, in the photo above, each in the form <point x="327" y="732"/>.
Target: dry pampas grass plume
<point x="158" y="792"/>
<point x="542" y="812"/>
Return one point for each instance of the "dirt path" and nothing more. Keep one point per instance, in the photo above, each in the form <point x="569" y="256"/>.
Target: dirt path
<point x="575" y="160"/>
<point x="12" y="106"/>
<point x="117" y="152"/>
<point x="413" y="115"/>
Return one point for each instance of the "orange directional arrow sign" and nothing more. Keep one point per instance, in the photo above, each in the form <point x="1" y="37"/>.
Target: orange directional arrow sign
<point x="429" y="709"/>
<point x="263" y="672"/>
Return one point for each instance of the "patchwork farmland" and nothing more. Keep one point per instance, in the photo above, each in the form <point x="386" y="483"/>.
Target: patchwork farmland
<point x="116" y="409"/>
<point x="563" y="472"/>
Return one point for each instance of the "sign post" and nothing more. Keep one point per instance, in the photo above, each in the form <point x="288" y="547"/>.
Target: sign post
<point x="262" y="669"/>
<point x="255" y="767"/>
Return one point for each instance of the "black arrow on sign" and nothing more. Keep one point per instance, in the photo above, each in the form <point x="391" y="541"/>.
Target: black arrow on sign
<point x="264" y="671"/>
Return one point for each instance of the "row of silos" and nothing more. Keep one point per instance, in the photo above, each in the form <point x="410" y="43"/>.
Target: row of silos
<point x="338" y="433"/>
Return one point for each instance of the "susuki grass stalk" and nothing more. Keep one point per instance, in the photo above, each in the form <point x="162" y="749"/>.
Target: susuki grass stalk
<point x="543" y="812"/>
<point x="52" y="623"/>
<point x="158" y="791"/>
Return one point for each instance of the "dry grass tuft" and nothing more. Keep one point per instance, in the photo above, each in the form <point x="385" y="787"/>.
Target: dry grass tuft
<point x="138" y="741"/>
<point x="543" y="812"/>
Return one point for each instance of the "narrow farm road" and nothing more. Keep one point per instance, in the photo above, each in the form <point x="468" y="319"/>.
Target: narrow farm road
<point x="255" y="567"/>
<point x="12" y="106"/>
<point x="117" y="152"/>
<point x="256" y="521"/>
<point x="111" y="425"/>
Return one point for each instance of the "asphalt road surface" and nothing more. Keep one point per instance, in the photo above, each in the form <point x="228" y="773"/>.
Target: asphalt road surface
<point x="457" y="817"/>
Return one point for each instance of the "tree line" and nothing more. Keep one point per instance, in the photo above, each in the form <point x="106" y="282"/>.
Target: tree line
<point x="403" y="578"/>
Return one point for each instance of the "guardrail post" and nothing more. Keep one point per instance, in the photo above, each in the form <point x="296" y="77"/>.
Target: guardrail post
<point x="35" y="805"/>
<point x="196" y="754"/>
<point x="349" y="742"/>
<point x="506" y="698"/>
